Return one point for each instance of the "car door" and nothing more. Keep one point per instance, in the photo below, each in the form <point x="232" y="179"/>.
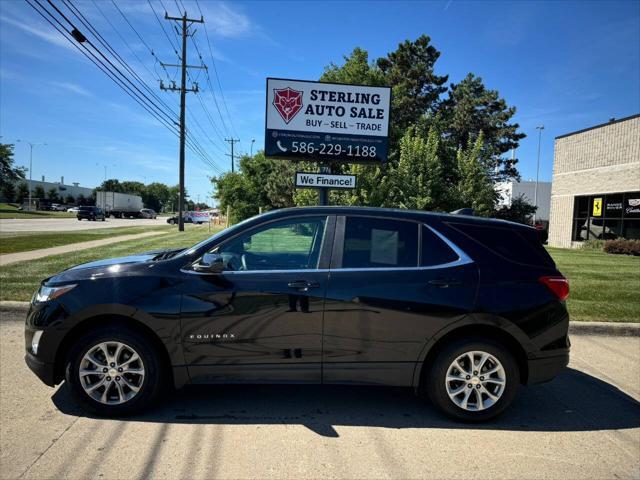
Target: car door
<point x="393" y="284"/>
<point x="260" y="320"/>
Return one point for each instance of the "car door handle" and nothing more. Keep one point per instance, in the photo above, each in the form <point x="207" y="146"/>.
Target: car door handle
<point x="303" y="285"/>
<point x="444" y="282"/>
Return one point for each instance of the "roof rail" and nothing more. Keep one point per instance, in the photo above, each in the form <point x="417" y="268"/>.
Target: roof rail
<point x="463" y="211"/>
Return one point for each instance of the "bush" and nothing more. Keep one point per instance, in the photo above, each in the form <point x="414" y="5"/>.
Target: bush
<point x="592" y="245"/>
<point x="622" y="247"/>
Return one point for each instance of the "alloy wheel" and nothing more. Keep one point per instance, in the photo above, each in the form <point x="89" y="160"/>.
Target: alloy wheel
<point x="111" y="372"/>
<point x="475" y="380"/>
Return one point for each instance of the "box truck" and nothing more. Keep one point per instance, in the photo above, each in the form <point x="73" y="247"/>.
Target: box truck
<point x="119" y="205"/>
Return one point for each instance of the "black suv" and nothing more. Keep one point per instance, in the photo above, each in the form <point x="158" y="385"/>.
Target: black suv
<point x="90" y="213"/>
<point x="460" y="308"/>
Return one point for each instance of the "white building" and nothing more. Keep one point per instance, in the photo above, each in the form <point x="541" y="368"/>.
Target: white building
<point x="509" y="191"/>
<point x="64" y="190"/>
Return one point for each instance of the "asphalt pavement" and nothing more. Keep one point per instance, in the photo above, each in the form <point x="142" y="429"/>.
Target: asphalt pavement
<point x="52" y="224"/>
<point x="584" y="424"/>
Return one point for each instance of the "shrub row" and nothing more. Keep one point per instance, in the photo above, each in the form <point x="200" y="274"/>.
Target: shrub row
<point x="622" y="247"/>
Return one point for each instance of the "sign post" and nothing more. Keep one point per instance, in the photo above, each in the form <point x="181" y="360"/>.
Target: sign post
<point x="326" y="123"/>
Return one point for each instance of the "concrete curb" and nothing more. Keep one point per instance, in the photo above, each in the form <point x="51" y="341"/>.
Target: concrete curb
<point x="619" y="329"/>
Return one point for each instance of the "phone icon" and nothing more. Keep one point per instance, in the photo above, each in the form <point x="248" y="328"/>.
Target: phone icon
<point x="282" y="149"/>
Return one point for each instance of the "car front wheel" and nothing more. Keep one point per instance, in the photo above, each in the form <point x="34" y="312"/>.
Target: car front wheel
<point x="114" y="371"/>
<point x="473" y="380"/>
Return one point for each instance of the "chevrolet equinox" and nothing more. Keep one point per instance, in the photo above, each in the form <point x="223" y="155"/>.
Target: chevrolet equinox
<point x="463" y="309"/>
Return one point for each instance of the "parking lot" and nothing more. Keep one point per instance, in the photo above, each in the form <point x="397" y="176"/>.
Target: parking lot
<point x="584" y="424"/>
<point x="72" y="224"/>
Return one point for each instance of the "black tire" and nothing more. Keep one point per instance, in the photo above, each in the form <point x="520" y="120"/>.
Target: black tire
<point x="152" y="385"/>
<point x="434" y="383"/>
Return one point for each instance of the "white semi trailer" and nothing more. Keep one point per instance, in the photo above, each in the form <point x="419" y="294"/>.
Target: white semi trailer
<point x="119" y="205"/>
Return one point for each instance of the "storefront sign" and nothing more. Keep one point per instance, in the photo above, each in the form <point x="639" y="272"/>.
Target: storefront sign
<point x="597" y="207"/>
<point x="315" y="180"/>
<point x="326" y="122"/>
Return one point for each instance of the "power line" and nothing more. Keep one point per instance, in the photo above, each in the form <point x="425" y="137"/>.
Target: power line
<point x="74" y="40"/>
<point x="215" y="71"/>
<point x="232" y="141"/>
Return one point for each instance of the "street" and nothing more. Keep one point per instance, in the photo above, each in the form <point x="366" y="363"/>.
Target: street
<point x="584" y="424"/>
<point x="72" y="224"/>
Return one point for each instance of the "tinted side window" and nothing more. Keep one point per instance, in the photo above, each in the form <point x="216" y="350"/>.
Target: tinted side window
<point x="513" y="244"/>
<point x="379" y="243"/>
<point x="284" y="245"/>
<point x="434" y="250"/>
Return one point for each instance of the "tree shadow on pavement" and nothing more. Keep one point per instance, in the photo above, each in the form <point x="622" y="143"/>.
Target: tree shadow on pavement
<point x="574" y="401"/>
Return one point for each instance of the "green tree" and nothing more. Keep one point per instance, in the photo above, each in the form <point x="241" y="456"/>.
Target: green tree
<point x="520" y="211"/>
<point x="111" y="185"/>
<point x="475" y="188"/>
<point x="69" y="200"/>
<point x="22" y="192"/>
<point x="81" y="200"/>
<point x="9" y="192"/>
<point x="8" y="172"/>
<point x="470" y="108"/>
<point x="418" y="179"/>
<point x="38" y="192"/>
<point x="52" y="194"/>
<point x="156" y="196"/>
<point x="260" y="182"/>
<point x="132" y="188"/>
<point x="410" y="71"/>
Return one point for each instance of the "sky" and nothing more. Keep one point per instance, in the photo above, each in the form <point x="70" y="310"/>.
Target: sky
<point x="565" y="65"/>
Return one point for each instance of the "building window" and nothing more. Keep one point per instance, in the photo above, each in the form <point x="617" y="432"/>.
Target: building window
<point x="606" y="217"/>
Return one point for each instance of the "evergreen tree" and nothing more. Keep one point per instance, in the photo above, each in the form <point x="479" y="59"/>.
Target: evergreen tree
<point x="9" y="192"/>
<point x="22" y="192"/>
<point x="475" y="189"/>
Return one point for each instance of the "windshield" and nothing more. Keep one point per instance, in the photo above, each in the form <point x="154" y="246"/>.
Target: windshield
<point x="198" y="246"/>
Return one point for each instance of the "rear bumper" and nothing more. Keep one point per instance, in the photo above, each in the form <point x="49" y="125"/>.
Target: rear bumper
<point x="43" y="370"/>
<point x="544" y="369"/>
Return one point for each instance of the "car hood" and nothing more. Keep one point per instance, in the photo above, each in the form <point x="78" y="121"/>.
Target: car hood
<point x="109" y="267"/>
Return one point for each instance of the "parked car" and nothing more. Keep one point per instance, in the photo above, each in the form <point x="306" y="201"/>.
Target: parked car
<point x="90" y="213"/>
<point x="462" y="309"/>
<point x="56" y="207"/>
<point x="73" y="210"/>
<point x="174" y="220"/>
<point x="148" y="213"/>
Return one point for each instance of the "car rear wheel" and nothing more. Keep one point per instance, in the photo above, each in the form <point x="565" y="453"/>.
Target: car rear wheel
<point x="114" y="371"/>
<point x="473" y="380"/>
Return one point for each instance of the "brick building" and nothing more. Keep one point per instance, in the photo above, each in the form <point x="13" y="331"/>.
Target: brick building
<point x="596" y="183"/>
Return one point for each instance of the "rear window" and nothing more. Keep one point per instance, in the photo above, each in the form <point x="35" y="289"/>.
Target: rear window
<point x="379" y="243"/>
<point x="434" y="250"/>
<point x="86" y="209"/>
<point x="515" y="244"/>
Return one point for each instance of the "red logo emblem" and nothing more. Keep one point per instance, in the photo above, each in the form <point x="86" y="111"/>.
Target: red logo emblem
<point x="288" y="102"/>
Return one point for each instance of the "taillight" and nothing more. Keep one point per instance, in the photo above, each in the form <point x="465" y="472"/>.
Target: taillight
<point x="558" y="285"/>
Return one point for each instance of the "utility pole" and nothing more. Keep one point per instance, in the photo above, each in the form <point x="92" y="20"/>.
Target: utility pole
<point x="535" y="192"/>
<point x="232" y="141"/>
<point x="186" y="23"/>
<point x="253" y="140"/>
<point x="31" y="146"/>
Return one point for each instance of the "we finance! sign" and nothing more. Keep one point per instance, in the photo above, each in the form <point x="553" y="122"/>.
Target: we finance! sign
<point x="327" y="122"/>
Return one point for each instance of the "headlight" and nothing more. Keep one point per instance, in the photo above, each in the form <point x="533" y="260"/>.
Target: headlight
<point x="35" y="341"/>
<point x="49" y="293"/>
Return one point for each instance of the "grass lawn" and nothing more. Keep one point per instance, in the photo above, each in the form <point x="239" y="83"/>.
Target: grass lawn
<point x="13" y="242"/>
<point x="604" y="287"/>
<point x="18" y="281"/>
<point x="10" y="211"/>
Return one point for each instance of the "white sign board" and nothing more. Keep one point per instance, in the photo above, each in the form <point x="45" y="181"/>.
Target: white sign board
<point x="315" y="180"/>
<point x="326" y="121"/>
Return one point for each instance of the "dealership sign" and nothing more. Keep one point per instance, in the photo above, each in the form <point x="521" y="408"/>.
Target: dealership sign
<point x="315" y="180"/>
<point x="326" y="122"/>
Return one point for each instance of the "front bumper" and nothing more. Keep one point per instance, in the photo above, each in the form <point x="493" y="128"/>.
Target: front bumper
<point x="545" y="368"/>
<point x="44" y="371"/>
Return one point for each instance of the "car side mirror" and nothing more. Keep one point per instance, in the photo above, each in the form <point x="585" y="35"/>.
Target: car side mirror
<point x="210" y="263"/>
